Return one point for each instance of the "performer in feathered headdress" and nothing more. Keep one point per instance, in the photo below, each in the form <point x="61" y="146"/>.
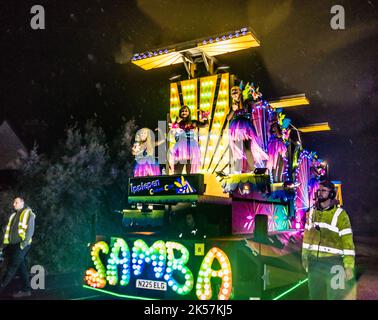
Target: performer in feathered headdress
<point x="244" y="143"/>
<point x="277" y="153"/>
<point x="144" y="152"/>
<point x="186" y="151"/>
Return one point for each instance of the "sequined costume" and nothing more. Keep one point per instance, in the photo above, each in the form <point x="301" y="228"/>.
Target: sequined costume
<point x="186" y="149"/>
<point x="241" y="130"/>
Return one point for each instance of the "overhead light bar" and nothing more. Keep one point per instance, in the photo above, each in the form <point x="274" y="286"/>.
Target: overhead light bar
<point x="316" y="127"/>
<point x="290" y="101"/>
<point x="185" y="51"/>
<point x="234" y="41"/>
<point x="157" y="60"/>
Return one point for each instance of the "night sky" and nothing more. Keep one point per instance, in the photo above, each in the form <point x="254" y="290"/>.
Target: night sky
<point x="79" y="67"/>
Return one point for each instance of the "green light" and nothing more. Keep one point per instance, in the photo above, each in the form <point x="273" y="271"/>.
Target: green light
<point x="291" y="289"/>
<point x="188" y="198"/>
<point x="118" y="294"/>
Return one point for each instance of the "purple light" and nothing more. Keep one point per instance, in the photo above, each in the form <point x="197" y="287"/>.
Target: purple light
<point x="211" y="40"/>
<point x="237" y="34"/>
<point x="217" y="39"/>
<point x="160" y="52"/>
<point x="230" y="35"/>
<point x="204" y="42"/>
<point x="224" y="38"/>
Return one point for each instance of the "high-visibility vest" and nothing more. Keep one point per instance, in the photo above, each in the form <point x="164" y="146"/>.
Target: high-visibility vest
<point x="328" y="233"/>
<point x="22" y="225"/>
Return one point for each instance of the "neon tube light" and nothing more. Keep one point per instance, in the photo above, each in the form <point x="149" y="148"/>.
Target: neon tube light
<point x="291" y="289"/>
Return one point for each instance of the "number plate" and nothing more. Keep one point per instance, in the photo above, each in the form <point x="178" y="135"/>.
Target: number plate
<point x="151" y="285"/>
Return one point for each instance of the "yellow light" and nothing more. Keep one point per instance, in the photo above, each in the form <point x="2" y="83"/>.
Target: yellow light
<point x="230" y="45"/>
<point x="290" y="101"/>
<point x="159" y="61"/>
<point x="316" y="127"/>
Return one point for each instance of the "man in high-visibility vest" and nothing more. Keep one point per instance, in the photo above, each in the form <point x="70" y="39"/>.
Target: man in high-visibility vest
<point x="328" y="253"/>
<point x="17" y="240"/>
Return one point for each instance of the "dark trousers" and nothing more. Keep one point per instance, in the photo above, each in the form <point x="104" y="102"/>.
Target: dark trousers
<point x="325" y="285"/>
<point x="14" y="261"/>
<point x="179" y="167"/>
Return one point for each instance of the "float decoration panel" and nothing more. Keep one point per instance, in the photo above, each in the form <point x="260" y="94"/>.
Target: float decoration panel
<point x="167" y="269"/>
<point x="175" y="187"/>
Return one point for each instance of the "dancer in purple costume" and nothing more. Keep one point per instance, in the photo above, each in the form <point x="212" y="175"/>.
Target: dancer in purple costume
<point x="244" y="143"/>
<point x="186" y="151"/>
<point x="144" y="152"/>
<point x="277" y="153"/>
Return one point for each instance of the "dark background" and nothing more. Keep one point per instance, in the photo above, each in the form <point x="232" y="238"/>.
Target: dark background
<point x="79" y="68"/>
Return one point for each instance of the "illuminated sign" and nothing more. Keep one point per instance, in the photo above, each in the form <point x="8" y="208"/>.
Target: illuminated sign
<point x="162" y="266"/>
<point x="167" y="185"/>
<point x="142" y="186"/>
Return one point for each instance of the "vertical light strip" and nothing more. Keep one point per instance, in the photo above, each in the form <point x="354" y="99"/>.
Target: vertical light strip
<point x="189" y="95"/>
<point x="207" y="87"/>
<point x="220" y="114"/>
<point x="174" y="101"/>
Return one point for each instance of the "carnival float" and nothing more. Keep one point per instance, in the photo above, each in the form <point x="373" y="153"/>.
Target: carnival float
<point x="232" y="161"/>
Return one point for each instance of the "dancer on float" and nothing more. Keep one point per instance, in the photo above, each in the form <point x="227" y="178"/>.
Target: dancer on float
<point x="244" y="143"/>
<point x="144" y="152"/>
<point x="186" y="151"/>
<point x="318" y="172"/>
<point x="277" y="152"/>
